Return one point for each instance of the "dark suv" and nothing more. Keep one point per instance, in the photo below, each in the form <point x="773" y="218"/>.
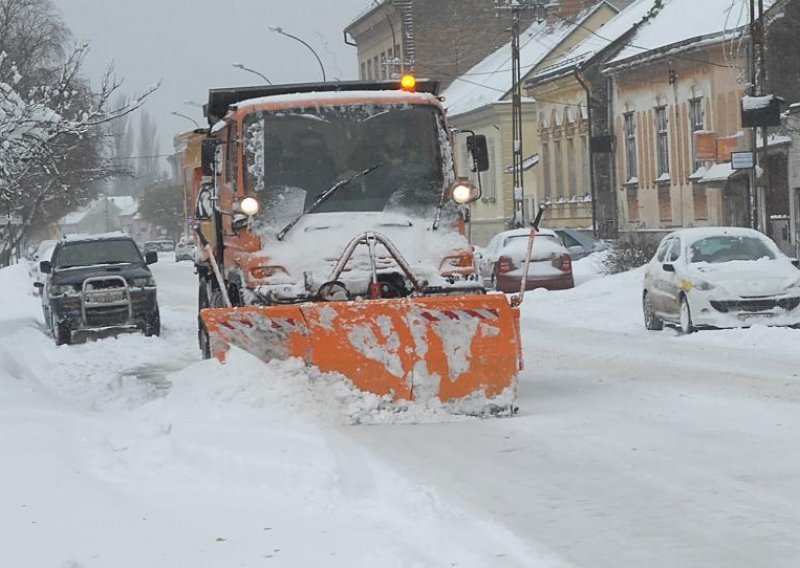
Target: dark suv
<point x="99" y="283"/>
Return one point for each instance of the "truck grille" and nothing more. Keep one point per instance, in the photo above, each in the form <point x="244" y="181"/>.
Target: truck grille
<point x="98" y="317"/>
<point x="755" y="305"/>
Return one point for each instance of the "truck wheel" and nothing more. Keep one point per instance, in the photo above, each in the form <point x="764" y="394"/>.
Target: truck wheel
<point x="152" y="325"/>
<point x="61" y="331"/>
<point x="202" y="333"/>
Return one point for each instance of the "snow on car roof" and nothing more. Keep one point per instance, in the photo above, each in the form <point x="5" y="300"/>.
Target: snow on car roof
<point x="95" y="237"/>
<point x="525" y="232"/>
<point x="696" y="233"/>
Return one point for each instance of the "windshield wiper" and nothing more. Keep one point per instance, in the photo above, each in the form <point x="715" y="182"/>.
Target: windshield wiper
<point x="322" y="197"/>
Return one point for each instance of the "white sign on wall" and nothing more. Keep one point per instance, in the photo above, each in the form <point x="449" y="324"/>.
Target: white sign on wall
<point x="742" y="160"/>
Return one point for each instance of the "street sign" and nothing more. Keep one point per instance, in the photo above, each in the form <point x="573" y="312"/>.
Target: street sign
<point x="742" y="160"/>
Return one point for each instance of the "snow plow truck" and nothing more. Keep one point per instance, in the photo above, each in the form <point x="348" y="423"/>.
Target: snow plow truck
<point x="331" y="225"/>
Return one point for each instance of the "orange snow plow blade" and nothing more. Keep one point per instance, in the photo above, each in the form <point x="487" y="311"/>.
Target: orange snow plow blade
<point x="462" y="350"/>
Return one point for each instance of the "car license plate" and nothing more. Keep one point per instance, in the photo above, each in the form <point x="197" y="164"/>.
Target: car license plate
<point x="755" y="316"/>
<point x="107" y="297"/>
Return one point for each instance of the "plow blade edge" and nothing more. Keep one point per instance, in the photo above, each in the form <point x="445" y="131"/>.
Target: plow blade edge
<point x="462" y="350"/>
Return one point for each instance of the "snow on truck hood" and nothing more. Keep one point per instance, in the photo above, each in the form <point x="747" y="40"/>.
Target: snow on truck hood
<point x="316" y="243"/>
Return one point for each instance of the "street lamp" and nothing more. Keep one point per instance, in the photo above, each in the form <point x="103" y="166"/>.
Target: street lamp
<point x="243" y="68"/>
<point x="186" y="117"/>
<point x="278" y="29"/>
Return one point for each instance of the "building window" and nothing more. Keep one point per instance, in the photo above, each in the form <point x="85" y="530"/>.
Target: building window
<point x="696" y="122"/>
<point x="585" y="157"/>
<point x="559" y="165"/>
<point x="700" y="203"/>
<point x="383" y="65"/>
<point x="376" y="65"/>
<point x="363" y="70"/>
<point x="630" y="147"/>
<point x="662" y="142"/>
<point x="398" y="57"/>
<point x="572" y="169"/>
<point x="369" y="69"/>
<point x="664" y="204"/>
<point x="632" y="196"/>
<point x="548" y="188"/>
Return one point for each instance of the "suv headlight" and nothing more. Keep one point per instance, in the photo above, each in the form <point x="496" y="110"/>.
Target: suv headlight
<point x="58" y="289"/>
<point x="143" y="282"/>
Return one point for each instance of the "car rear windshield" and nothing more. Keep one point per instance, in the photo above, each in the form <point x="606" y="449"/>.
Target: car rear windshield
<point x="725" y="248"/>
<point x="88" y="253"/>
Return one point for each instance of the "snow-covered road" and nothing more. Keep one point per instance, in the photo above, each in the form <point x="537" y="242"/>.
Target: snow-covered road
<point x="631" y="449"/>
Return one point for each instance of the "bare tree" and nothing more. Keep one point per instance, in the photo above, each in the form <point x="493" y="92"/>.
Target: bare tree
<point x="51" y="139"/>
<point x="147" y="170"/>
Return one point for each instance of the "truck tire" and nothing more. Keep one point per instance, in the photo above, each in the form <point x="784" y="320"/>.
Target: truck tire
<point x="152" y="325"/>
<point x="202" y="333"/>
<point x="62" y="333"/>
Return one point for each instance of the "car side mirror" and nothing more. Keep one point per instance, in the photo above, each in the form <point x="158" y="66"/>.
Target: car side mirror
<point x="476" y="144"/>
<point x="151" y="257"/>
<point x="795" y="262"/>
<point x="668" y="267"/>
<point x="39" y="285"/>
<point x="45" y="267"/>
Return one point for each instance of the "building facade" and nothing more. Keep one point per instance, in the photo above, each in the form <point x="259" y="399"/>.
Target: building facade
<point x="438" y="39"/>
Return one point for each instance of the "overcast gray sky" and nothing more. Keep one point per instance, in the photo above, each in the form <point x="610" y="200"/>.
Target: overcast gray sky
<point x="189" y="45"/>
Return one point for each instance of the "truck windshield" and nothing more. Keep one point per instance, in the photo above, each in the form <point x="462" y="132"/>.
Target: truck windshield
<point x="88" y="253"/>
<point x="291" y="156"/>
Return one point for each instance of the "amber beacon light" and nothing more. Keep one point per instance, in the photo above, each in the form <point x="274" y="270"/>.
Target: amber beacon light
<point x="408" y="82"/>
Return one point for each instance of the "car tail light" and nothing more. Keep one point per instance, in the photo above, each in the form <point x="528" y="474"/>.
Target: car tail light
<point x="264" y="272"/>
<point x="563" y="262"/>
<point x="505" y="264"/>
<point x="458" y="261"/>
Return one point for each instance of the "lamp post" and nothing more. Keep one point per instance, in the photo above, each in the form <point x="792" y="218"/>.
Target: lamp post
<point x="253" y="71"/>
<point x="279" y="30"/>
<point x="186" y="117"/>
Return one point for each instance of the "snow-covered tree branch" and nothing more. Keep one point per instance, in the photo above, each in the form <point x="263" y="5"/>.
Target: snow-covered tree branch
<point x="53" y="127"/>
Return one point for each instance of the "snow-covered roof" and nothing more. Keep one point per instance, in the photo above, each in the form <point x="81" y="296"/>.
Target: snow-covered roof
<point x="680" y="21"/>
<point x="126" y="204"/>
<point x="490" y="80"/>
<point x="604" y="36"/>
<point x="527" y="164"/>
<point x="774" y="140"/>
<point x="75" y="217"/>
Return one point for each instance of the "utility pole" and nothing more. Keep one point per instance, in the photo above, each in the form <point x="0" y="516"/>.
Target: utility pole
<point x="540" y="12"/>
<point x="757" y="202"/>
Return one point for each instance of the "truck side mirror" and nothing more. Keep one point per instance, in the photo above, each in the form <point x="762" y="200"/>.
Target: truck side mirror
<point x="208" y="151"/>
<point x="150" y="257"/>
<point x="476" y="144"/>
<point x="45" y="267"/>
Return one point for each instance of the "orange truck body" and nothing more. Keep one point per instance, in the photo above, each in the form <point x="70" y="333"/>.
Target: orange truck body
<point x="450" y="344"/>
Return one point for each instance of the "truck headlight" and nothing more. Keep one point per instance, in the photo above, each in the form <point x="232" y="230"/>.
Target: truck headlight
<point x="143" y="282"/>
<point x="58" y="290"/>
<point x="464" y="192"/>
<point x="248" y="206"/>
